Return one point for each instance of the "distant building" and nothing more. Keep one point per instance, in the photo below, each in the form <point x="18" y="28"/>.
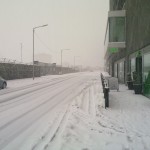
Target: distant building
<point x="38" y="63"/>
<point x="127" y="35"/>
<point x="42" y="57"/>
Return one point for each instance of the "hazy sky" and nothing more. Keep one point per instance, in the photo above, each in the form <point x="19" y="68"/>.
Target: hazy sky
<point x="78" y="25"/>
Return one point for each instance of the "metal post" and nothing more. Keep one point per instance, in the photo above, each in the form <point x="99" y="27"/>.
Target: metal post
<point x="21" y="51"/>
<point x="33" y="53"/>
<point x="74" y="62"/>
<point x="33" y="47"/>
<point x="61" y="61"/>
<point x="106" y="96"/>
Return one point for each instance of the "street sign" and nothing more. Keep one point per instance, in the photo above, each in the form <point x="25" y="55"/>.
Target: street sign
<point x="113" y="50"/>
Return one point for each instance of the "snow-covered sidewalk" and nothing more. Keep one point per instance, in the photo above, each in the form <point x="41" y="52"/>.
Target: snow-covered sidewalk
<point x="122" y="126"/>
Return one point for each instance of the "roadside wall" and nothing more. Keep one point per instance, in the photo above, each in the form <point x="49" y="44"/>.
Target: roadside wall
<point x="10" y="71"/>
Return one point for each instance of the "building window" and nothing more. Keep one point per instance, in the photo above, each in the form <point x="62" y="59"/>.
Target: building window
<point x="117" y="29"/>
<point x="132" y="65"/>
<point x="146" y="75"/>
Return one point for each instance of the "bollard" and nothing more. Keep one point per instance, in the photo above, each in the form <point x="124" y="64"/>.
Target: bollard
<point x="106" y="96"/>
<point x="105" y="90"/>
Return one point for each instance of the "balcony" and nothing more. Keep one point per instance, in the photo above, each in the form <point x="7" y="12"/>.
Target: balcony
<point x="117" y="4"/>
<point x="115" y="32"/>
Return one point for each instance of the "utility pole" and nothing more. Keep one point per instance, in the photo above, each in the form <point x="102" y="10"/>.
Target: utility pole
<point x="75" y="61"/>
<point x="33" y="54"/>
<point x="61" y="58"/>
<point x="21" y="51"/>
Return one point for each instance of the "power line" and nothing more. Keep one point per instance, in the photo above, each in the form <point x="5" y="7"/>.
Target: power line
<point x="44" y="44"/>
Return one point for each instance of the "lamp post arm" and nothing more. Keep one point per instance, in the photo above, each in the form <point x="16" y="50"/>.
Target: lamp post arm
<point x="40" y="26"/>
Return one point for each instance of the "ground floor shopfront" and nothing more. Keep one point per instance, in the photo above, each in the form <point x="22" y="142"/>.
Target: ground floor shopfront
<point x="120" y="70"/>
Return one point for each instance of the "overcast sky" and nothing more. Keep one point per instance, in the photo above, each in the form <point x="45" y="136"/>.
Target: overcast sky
<point x="78" y="25"/>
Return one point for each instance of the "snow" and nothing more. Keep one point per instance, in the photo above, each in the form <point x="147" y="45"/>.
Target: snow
<point x="29" y="81"/>
<point x="125" y="125"/>
<point x="67" y="113"/>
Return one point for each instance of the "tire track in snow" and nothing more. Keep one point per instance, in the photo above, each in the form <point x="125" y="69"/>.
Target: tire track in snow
<point x="50" y="141"/>
<point x="28" y="91"/>
<point x="9" y="138"/>
<point x="88" y="104"/>
<point x="7" y="91"/>
<point x="4" y="117"/>
<point x="33" y="109"/>
<point x="50" y="133"/>
<point x="54" y="132"/>
<point x="85" y="101"/>
<point x="92" y="110"/>
<point x="35" y="94"/>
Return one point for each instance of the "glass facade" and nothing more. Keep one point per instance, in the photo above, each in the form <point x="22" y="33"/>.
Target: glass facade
<point x="121" y="71"/>
<point x="117" y="29"/>
<point x="116" y="70"/>
<point x="146" y="75"/>
<point x="132" y="65"/>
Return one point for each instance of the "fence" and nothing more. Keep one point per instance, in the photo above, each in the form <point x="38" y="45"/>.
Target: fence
<point x="14" y="70"/>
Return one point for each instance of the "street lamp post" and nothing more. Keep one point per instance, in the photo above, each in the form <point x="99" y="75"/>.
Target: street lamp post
<point x="33" y="44"/>
<point x="62" y="58"/>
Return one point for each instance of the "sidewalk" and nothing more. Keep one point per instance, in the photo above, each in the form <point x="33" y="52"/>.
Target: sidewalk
<point x="130" y="115"/>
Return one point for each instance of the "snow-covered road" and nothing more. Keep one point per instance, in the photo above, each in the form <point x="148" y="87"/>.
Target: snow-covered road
<point x="35" y="107"/>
